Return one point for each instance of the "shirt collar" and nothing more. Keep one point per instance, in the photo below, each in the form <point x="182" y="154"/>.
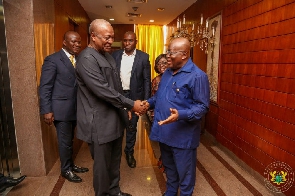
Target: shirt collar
<point x="133" y="54"/>
<point x="67" y="53"/>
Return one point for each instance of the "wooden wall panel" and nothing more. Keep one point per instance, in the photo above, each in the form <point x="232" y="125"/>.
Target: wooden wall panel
<point x="67" y="11"/>
<point x="121" y="29"/>
<point x="255" y="114"/>
<point x="211" y="119"/>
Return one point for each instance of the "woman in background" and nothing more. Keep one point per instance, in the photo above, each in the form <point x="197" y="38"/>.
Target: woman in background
<point x="159" y="67"/>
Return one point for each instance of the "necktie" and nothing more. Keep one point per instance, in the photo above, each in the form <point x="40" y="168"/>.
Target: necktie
<point x="72" y="59"/>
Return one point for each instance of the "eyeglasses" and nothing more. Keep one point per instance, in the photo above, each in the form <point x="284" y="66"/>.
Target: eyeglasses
<point x="108" y="38"/>
<point x="173" y="53"/>
<point x="162" y="63"/>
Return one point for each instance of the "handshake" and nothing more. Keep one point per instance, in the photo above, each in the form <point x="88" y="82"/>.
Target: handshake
<point x="140" y="107"/>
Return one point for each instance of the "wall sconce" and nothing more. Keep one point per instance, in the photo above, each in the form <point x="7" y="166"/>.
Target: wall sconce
<point x="205" y="39"/>
<point x="184" y="29"/>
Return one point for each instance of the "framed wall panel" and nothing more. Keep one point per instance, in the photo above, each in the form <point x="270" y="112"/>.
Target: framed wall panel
<point x="213" y="56"/>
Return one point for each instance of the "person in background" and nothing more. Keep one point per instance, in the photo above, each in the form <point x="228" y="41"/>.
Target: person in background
<point x="58" y="99"/>
<point x="179" y="104"/>
<point x="6" y="182"/>
<point x="135" y="74"/>
<point x="159" y="67"/>
<point x="102" y="108"/>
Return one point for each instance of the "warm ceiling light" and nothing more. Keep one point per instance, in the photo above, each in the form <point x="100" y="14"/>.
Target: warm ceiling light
<point x="112" y="19"/>
<point x="152" y="21"/>
<point x="161" y="9"/>
<point x="135" y="15"/>
<point x="137" y="1"/>
<point x="109" y="6"/>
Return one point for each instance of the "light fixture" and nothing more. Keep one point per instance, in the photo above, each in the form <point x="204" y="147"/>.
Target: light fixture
<point x="112" y="19"/>
<point x="205" y="38"/>
<point x="152" y="21"/>
<point x="160" y="9"/>
<point x="135" y="8"/>
<point x="182" y="30"/>
<point x="135" y="15"/>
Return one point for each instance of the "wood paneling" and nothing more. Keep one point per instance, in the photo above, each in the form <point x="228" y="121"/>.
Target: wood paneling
<point x="121" y="29"/>
<point x="66" y="13"/>
<point x="255" y="113"/>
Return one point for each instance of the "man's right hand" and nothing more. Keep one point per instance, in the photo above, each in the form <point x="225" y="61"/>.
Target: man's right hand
<point x="49" y="118"/>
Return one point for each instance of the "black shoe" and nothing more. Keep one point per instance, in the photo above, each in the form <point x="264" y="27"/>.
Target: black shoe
<point x="11" y="182"/>
<point x="78" y="169"/>
<point x="122" y="194"/>
<point x="130" y="160"/>
<point x="71" y="176"/>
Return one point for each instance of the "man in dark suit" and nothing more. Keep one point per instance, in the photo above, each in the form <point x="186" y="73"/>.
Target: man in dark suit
<point x="58" y="99"/>
<point x="102" y="109"/>
<point x="135" y="73"/>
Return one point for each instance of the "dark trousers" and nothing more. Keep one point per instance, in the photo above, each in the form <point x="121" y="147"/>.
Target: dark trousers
<point x="106" y="167"/>
<point x="65" y="136"/>
<point x="131" y="130"/>
<point x="2" y="179"/>
<point x="180" y="166"/>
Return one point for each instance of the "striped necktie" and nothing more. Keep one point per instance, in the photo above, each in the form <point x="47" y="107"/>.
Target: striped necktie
<point x="72" y="59"/>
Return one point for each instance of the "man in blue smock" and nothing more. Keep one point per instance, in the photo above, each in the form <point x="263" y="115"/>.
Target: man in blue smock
<point x="179" y="104"/>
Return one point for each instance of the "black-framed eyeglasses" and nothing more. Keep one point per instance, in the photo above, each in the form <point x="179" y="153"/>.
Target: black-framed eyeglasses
<point x="174" y="52"/>
<point x="106" y="38"/>
<point x="162" y="63"/>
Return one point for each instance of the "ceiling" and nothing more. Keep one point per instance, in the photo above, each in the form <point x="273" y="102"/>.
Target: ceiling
<point x="172" y="8"/>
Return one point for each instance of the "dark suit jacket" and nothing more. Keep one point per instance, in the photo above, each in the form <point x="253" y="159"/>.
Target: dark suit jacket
<point x="58" y="89"/>
<point x="140" y="81"/>
<point x="100" y="116"/>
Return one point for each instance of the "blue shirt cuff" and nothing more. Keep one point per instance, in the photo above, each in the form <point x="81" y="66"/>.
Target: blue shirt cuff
<point x="182" y="115"/>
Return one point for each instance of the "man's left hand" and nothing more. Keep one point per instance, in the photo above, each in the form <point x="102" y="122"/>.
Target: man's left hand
<point x="172" y="118"/>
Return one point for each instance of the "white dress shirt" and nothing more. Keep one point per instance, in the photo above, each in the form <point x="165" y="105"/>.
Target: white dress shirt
<point x="126" y="68"/>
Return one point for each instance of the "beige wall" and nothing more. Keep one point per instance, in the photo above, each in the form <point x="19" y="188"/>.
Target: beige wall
<point x="36" y="142"/>
<point x="21" y="60"/>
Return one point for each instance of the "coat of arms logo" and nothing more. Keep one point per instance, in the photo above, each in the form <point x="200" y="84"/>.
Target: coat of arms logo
<point x="278" y="177"/>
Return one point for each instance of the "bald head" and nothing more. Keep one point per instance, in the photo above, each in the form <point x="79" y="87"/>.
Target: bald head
<point x="178" y="53"/>
<point x="72" y="42"/>
<point x="101" y="35"/>
<point x="98" y="24"/>
<point x="130" y="33"/>
<point x="129" y="42"/>
<point x="182" y="44"/>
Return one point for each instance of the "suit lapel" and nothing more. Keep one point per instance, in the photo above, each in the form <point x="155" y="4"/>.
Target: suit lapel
<point x="119" y="59"/>
<point x="67" y="63"/>
<point x="135" y="62"/>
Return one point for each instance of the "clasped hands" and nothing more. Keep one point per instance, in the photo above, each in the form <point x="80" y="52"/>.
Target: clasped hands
<point x="141" y="107"/>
